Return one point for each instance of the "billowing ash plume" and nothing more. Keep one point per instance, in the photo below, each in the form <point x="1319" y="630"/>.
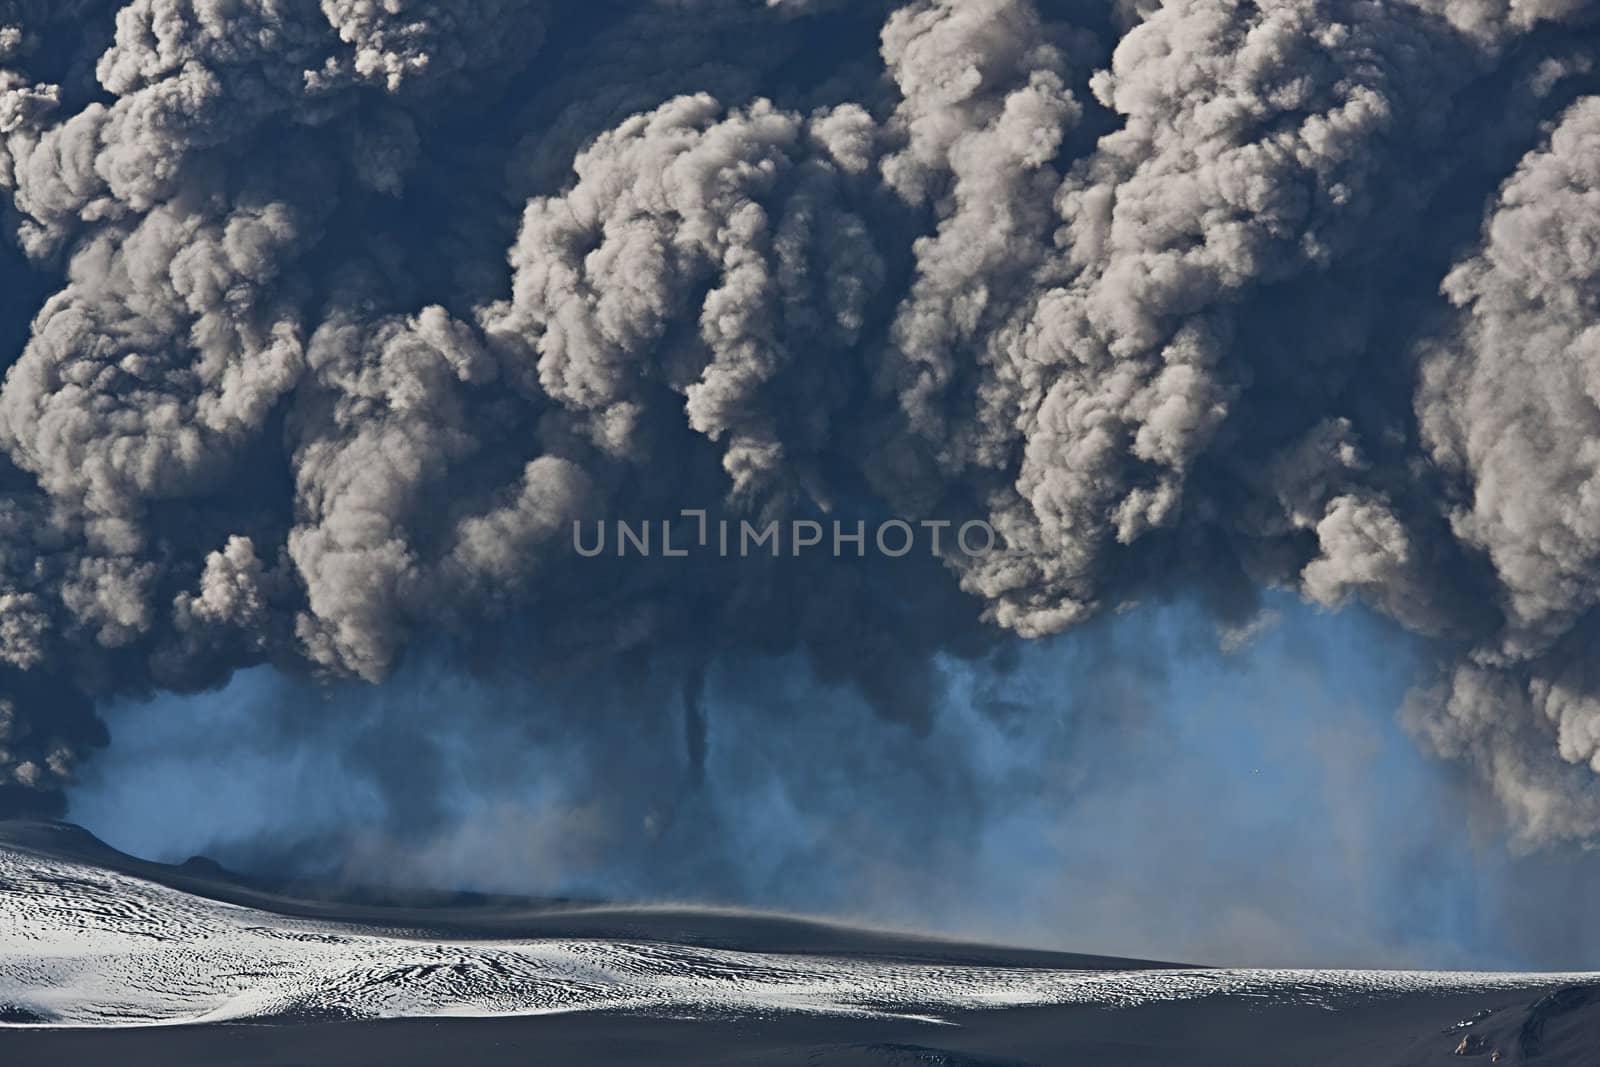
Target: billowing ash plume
<point x="1507" y="404"/>
<point x="351" y="310"/>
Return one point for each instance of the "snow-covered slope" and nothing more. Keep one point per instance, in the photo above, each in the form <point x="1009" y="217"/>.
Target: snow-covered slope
<point x="83" y="945"/>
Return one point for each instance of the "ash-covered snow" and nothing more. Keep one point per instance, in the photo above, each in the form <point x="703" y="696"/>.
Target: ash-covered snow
<point x="85" y="946"/>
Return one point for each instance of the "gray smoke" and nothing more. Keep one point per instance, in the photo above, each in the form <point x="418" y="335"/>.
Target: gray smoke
<point x="351" y="310"/>
<point x="1506" y="401"/>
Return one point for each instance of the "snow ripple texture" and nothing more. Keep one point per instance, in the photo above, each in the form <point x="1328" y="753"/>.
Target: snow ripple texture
<point x="84" y="946"/>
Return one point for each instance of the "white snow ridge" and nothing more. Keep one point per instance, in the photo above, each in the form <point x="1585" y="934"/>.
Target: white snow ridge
<point x="83" y="946"/>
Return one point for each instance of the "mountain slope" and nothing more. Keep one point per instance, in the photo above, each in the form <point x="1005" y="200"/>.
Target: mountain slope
<point x="101" y="954"/>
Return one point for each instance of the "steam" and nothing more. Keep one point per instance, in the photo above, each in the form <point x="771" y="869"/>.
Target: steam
<point x="1280" y="770"/>
<point x="358" y="307"/>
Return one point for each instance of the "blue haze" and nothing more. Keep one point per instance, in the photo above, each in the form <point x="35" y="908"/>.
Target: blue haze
<point x="1130" y="788"/>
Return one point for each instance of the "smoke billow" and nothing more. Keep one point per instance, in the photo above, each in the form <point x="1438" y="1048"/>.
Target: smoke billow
<point x="342" y="314"/>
